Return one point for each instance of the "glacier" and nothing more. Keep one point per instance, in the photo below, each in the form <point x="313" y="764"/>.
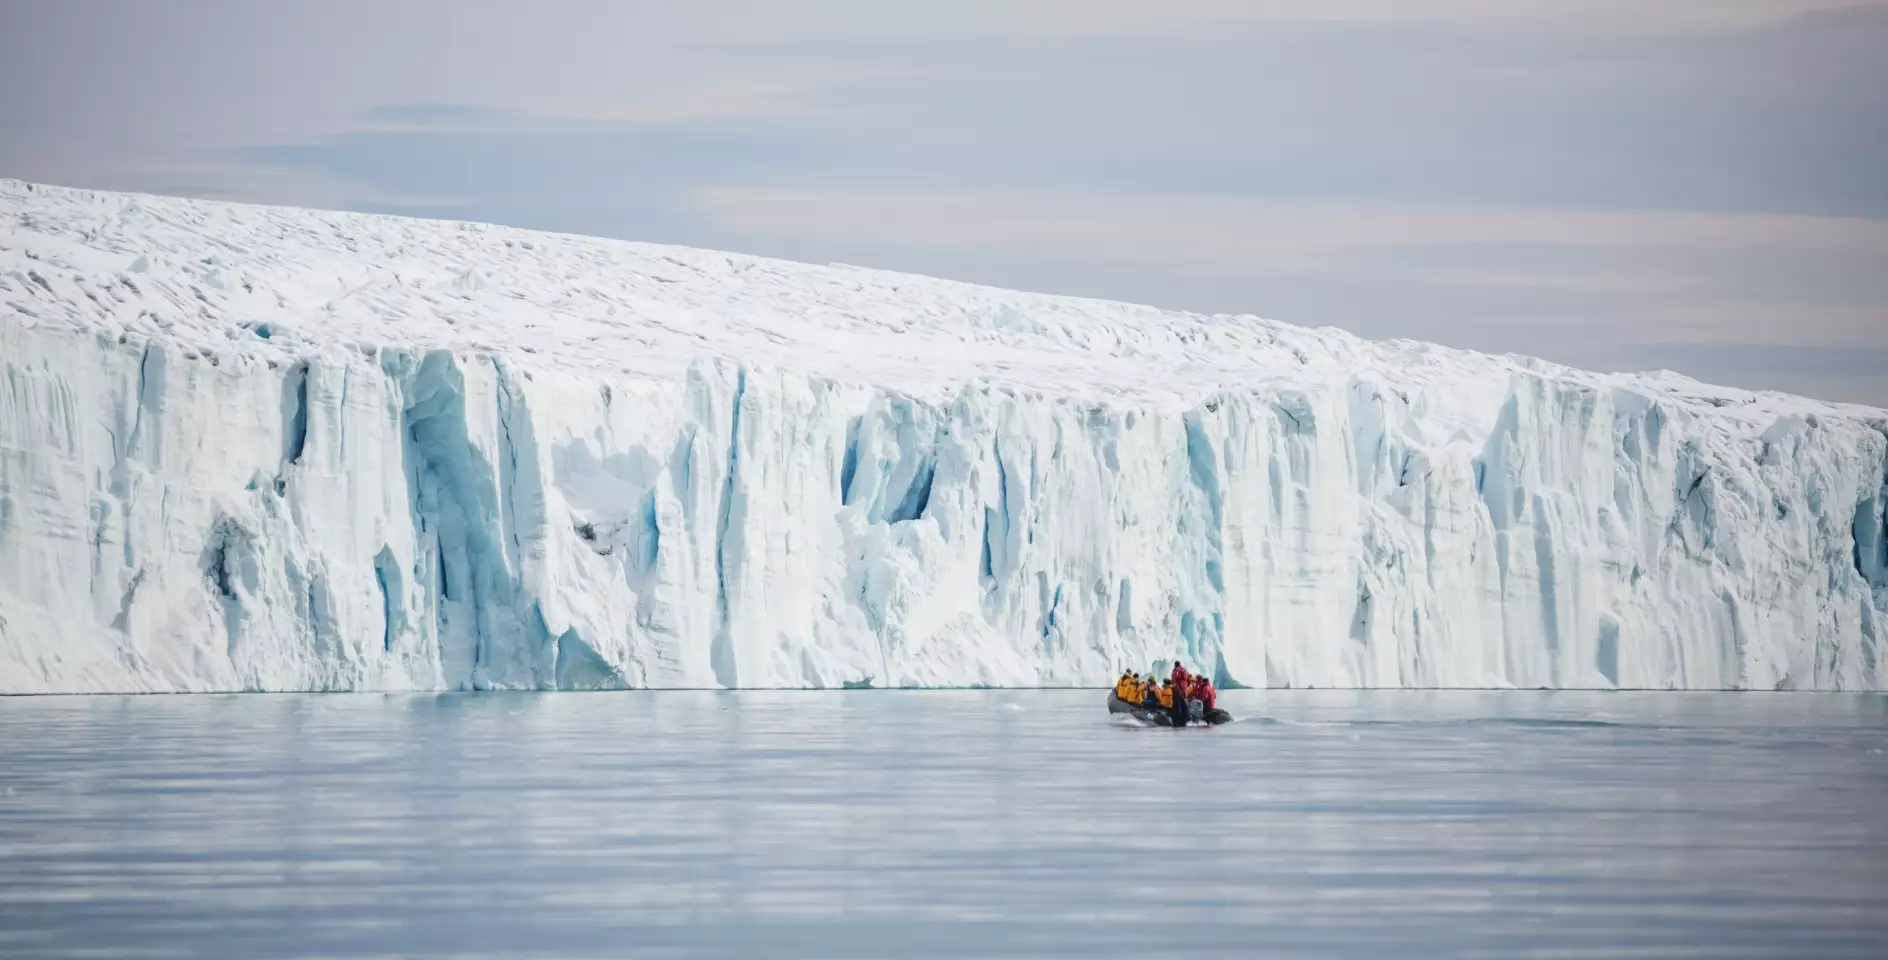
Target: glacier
<point x="250" y="448"/>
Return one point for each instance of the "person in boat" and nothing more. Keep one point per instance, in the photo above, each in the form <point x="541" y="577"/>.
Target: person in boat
<point x="1203" y="692"/>
<point x="1128" y="688"/>
<point x="1150" y="692"/>
<point x="1178" y="711"/>
<point x="1180" y="677"/>
<point x="1173" y="699"/>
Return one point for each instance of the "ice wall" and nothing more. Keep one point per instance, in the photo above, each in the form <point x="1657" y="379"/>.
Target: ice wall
<point x="403" y="520"/>
<point x="185" y="514"/>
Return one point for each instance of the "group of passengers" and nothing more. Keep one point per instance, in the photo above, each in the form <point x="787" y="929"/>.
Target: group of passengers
<point x="1170" y="694"/>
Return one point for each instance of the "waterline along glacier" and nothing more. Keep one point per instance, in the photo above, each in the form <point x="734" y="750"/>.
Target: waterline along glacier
<point x="255" y="448"/>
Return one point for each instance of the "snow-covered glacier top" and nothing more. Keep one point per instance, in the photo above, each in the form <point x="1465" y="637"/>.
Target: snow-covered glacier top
<point x="273" y="448"/>
<point x="280" y="282"/>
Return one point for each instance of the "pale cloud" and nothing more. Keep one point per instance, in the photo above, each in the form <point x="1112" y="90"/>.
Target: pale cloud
<point x="234" y="72"/>
<point x="1575" y="279"/>
<point x="1132" y="17"/>
<point x="1823" y="325"/>
<point x="1233" y="232"/>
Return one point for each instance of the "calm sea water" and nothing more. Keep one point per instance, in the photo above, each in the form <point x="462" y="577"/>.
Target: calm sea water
<point x="889" y="824"/>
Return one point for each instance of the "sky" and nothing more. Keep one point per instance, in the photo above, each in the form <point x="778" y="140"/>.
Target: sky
<point x="1697" y="185"/>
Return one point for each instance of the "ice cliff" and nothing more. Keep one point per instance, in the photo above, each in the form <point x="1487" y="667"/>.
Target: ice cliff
<point x="248" y="448"/>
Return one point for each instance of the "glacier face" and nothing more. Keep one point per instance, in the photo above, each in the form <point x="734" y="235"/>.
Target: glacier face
<point x="247" y="448"/>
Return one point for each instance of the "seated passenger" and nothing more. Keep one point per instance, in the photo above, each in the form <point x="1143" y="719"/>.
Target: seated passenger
<point x="1165" y="695"/>
<point x="1203" y="692"/>
<point x="1128" y="688"/>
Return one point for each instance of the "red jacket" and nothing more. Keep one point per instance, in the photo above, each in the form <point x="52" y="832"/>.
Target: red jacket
<point x="1203" y="692"/>
<point x="1180" y="676"/>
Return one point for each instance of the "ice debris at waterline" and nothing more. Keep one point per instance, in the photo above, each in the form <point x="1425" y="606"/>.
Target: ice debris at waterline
<point x="248" y="448"/>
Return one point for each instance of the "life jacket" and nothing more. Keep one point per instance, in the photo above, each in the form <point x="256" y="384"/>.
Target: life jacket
<point x="1203" y="692"/>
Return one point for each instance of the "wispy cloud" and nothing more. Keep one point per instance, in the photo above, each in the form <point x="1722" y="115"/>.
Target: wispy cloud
<point x="1090" y="17"/>
<point x="1240" y="232"/>
<point x="1776" y="119"/>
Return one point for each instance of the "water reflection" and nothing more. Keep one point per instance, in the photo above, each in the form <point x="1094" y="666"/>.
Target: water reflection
<point x="878" y="824"/>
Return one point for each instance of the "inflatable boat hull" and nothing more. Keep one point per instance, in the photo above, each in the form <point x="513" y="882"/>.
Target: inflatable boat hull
<point x="1159" y="717"/>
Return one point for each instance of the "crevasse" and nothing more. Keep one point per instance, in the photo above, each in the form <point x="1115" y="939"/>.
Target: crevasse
<point x="256" y="449"/>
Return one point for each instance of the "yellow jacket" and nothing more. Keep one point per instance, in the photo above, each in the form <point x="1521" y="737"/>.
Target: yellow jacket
<point x="1166" y="697"/>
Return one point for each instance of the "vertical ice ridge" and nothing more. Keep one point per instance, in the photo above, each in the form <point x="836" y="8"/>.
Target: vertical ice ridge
<point x="726" y="550"/>
<point x="391" y="585"/>
<point x="295" y="413"/>
<point x="456" y="498"/>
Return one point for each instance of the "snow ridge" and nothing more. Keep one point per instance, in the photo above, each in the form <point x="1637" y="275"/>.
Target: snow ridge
<point x="250" y="448"/>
